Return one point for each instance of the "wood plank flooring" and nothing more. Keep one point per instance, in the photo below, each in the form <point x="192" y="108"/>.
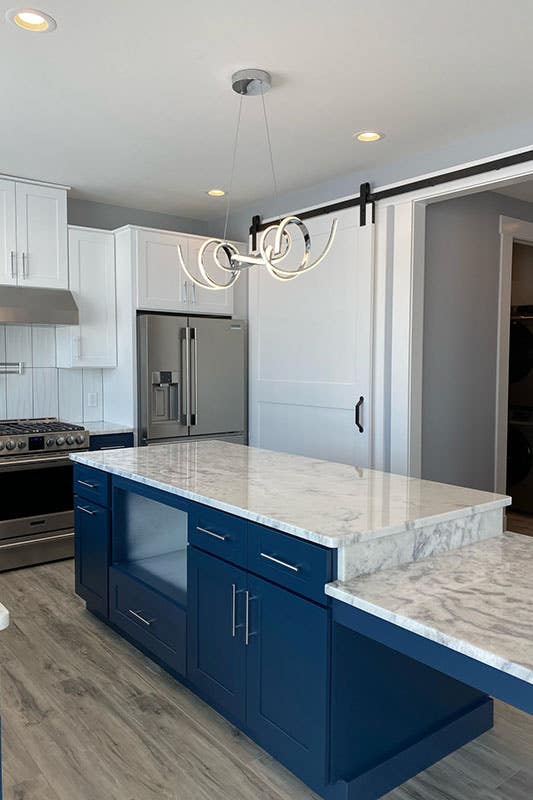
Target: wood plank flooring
<point x="86" y="717"/>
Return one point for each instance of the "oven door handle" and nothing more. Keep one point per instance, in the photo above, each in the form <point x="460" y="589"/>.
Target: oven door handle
<point x="44" y="539"/>
<point x="17" y="461"/>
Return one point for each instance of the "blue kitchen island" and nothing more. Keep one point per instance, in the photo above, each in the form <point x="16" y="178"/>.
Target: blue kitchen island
<point x="276" y="588"/>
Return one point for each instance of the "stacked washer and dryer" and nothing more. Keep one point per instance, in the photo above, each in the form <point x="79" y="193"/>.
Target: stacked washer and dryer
<point x="520" y="434"/>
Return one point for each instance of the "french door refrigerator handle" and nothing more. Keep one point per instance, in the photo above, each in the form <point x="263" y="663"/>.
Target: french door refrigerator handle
<point x="186" y="356"/>
<point x="194" y="383"/>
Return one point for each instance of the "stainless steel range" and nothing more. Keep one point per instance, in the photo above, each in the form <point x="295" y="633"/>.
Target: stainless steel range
<point x="36" y="509"/>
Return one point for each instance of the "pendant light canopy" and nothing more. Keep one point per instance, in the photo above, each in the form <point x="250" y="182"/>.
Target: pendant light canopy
<point x="275" y="243"/>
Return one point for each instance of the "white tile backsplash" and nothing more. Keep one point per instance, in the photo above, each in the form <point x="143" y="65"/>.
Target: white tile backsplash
<point x="71" y="395"/>
<point x="44" y="390"/>
<point x="18" y="344"/>
<point x="93" y="390"/>
<point x="20" y="395"/>
<point x="44" y="345"/>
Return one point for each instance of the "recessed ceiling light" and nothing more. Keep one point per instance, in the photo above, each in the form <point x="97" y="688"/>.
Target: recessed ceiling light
<point x="368" y="136"/>
<point x="216" y="192"/>
<point x="30" y="19"/>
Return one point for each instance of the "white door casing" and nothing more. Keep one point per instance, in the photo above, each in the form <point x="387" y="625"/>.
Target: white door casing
<point x="311" y="349"/>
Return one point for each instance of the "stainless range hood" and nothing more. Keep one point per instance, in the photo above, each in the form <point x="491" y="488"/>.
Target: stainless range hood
<point x="46" y="306"/>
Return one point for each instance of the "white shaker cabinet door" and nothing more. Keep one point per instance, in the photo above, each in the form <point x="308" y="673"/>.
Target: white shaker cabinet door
<point x="208" y="301"/>
<point x="42" y="236"/>
<point x="8" y="233"/>
<point x="161" y="284"/>
<point x="92" y="281"/>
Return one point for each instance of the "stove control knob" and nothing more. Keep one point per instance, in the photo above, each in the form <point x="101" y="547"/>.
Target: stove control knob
<point x="10" y="444"/>
<point x="60" y="441"/>
<point x="1" y="445"/>
<point x="80" y="439"/>
<point x="70" y="439"/>
<point x="50" y="442"/>
<point x="21" y="445"/>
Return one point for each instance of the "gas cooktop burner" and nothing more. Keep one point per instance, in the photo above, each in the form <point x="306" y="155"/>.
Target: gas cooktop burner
<point x="19" y="427"/>
<point x="21" y="436"/>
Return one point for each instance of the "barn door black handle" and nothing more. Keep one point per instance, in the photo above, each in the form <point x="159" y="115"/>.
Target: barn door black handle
<point x="358" y="414"/>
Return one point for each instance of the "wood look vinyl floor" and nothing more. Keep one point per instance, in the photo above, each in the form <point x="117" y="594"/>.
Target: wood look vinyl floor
<point x="519" y="523"/>
<point x="86" y="717"/>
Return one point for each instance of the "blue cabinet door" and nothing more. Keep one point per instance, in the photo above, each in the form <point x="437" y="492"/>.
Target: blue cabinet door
<point x="288" y="678"/>
<point x="215" y="632"/>
<point x="91" y="553"/>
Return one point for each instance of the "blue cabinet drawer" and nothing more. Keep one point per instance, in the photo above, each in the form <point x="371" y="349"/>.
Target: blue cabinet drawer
<point x="294" y="563"/>
<point x="216" y="532"/>
<point x="92" y="484"/>
<point x="110" y="441"/>
<point x="155" y="623"/>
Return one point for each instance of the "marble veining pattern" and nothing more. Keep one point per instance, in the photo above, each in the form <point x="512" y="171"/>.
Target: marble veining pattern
<point x="362" y="558"/>
<point x="328" y="503"/>
<point x="477" y="600"/>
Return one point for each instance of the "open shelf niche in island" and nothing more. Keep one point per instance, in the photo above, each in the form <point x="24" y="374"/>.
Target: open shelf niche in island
<point x="150" y="544"/>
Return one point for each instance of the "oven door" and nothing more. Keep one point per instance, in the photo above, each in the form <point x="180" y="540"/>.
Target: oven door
<point x="36" y="496"/>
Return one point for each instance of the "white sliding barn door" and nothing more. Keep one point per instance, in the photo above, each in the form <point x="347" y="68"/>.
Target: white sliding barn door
<point x="311" y="349"/>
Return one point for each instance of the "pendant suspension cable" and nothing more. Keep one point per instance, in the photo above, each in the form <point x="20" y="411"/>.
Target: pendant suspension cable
<point x="233" y="163"/>
<point x="269" y="144"/>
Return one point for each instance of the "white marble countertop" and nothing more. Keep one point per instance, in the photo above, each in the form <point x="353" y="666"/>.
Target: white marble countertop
<point x="477" y="600"/>
<point x="105" y="427"/>
<point x="4" y="617"/>
<point x="328" y="503"/>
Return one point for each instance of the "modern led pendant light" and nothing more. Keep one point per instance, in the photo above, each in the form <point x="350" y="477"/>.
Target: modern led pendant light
<point x="274" y="244"/>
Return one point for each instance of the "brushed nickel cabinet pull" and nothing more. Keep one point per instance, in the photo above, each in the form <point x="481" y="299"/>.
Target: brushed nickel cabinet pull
<point x="139" y="617"/>
<point x="233" y="603"/>
<point x="87" y="484"/>
<point x="211" y="533"/>
<point x="247" y="619"/>
<point x="279" y="562"/>
<point x="86" y="510"/>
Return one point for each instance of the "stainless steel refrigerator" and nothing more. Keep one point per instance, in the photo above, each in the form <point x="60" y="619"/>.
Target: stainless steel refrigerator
<point x="192" y="378"/>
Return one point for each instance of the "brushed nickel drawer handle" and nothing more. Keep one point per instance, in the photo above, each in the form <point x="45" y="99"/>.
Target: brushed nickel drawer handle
<point x="233" y="603"/>
<point x="88" y="485"/>
<point x="280" y="563"/>
<point x="86" y="511"/>
<point x="211" y="533"/>
<point x="142" y="619"/>
<point x="247" y="619"/>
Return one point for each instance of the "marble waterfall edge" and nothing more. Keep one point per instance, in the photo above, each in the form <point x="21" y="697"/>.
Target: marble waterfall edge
<point x="363" y="558"/>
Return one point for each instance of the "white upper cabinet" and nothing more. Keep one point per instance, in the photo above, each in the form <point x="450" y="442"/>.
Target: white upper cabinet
<point x="161" y="285"/>
<point x="92" y="282"/>
<point x="41" y="236"/>
<point x="8" y="233"/>
<point x="33" y="235"/>
<point x="207" y="301"/>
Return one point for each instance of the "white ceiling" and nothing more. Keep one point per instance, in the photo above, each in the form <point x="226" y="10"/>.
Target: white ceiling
<point x="129" y="102"/>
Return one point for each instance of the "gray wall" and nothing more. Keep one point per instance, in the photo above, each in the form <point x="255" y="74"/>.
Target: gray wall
<point x="103" y="215"/>
<point x="460" y="336"/>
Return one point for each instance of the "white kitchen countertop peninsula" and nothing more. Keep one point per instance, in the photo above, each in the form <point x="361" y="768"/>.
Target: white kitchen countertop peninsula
<point x="376" y="519"/>
<point x="477" y="600"/>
